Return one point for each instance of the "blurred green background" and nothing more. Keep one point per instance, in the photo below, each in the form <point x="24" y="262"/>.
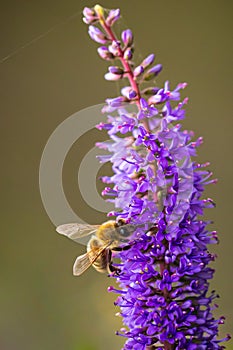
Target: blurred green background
<point x="42" y="305"/>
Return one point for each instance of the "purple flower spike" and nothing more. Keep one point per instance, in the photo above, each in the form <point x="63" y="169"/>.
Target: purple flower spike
<point x="158" y="189"/>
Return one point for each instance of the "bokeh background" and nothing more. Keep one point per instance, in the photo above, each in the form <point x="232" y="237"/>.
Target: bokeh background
<point x="49" y="70"/>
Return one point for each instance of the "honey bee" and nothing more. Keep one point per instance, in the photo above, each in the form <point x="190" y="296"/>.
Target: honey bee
<point x="105" y="238"/>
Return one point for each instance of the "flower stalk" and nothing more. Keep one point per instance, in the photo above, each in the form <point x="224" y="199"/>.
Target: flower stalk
<point x="164" y="274"/>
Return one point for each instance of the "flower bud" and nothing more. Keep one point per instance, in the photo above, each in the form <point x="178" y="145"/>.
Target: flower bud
<point x="99" y="11"/>
<point x="128" y="54"/>
<point x="112" y="77"/>
<point x="104" y="53"/>
<point x="116" y="102"/>
<point x="89" y="15"/>
<point x="96" y="35"/>
<point x="114" y="48"/>
<point x="127" y="37"/>
<point x="153" y="72"/>
<point x="138" y="71"/>
<point x="128" y="92"/>
<point x="87" y="12"/>
<point x="132" y="94"/>
<point x="148" y="61"/>
<point x="113" y="16"/>
<point x="116" y="70"/>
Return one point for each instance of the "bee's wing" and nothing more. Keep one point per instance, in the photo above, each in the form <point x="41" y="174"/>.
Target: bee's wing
<point x="83" y="262"/>
<point x="75" y="231"/>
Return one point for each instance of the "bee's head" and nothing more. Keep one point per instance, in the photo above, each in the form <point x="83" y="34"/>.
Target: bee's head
<point x="124" y="230"/>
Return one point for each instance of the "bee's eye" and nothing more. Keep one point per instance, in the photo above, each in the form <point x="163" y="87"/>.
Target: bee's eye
<point x="124" y="231"/>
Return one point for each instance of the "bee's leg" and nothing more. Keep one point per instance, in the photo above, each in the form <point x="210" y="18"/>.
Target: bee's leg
<point x="120" y="249"/>
<point x="112" y="270"/>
